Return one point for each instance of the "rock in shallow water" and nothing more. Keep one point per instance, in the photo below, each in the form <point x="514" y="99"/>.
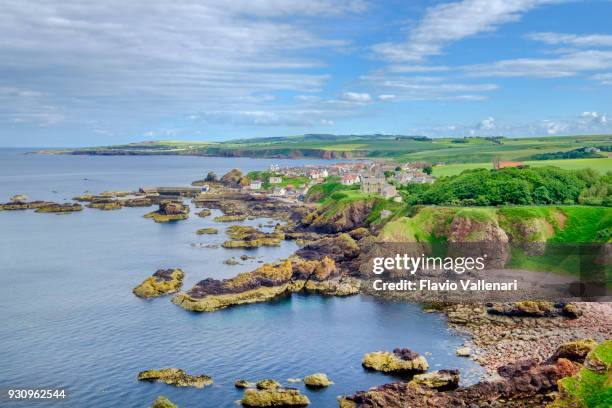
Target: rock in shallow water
<point x="439" y="380"/>
<point x="318" y="380"/>
<point x="175" y="377"/>
<point x="402" y="360"/>
<point x="162" y="282"/>
<point x="163" y="402"/>
<point x="280" y="397"/>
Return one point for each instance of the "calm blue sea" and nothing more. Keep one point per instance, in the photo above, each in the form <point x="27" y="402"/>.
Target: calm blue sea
<point x="70" y="320"/>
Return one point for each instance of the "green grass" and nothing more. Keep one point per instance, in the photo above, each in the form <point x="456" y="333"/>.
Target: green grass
<point x="602" y="165"/>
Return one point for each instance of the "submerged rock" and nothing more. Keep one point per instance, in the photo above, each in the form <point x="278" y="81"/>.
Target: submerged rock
<point x="204" y="213"/>
<point x="439" y="380"/>
<point x="318" y="380"/>
<point x="280" y="397"/>
<point x="163" y="402"/>
<point x="402" y="360"/>
<point x="209" y="230"/>
<point x="175" y="377"/>
<point x="162" y="282"/>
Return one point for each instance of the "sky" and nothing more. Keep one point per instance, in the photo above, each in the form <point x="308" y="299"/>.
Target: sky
<point x="79" y="73"/>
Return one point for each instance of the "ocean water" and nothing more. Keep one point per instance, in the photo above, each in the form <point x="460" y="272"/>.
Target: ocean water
<point x="70" y="320"/>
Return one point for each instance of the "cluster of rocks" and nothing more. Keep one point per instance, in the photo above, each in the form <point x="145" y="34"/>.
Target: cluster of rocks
<point x="20" y="202"/>
<point x="270" y="393"/>
<point x="519" y="384"/>
<point x="162" y="282"/>
<point x="175" y="377"/>
<point x="169" y="211"/>
<point x="115" y="200"/>
<point x="400" y="361"/>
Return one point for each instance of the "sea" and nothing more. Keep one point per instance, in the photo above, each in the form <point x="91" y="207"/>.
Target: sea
<point x="71" y="322"/>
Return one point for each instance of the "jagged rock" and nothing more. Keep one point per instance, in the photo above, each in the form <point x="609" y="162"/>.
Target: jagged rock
<point x="265" y="283"/>
<point x="169" y="211"/>
<point x="162" y="282"/>
<point x="349" y="216"/>
<point x="339" y="248"/>
<point x="208" y="230"/>
<point x="175" y="377"/>
<point x="267" y="384"/>
<point x="243" y="384"/>
<point x="402" y="360"/>
<point x="318" y="380"/>
<point x="163" y="402"/>
<point x="440" y="380"/>
<point x="232" y="178"/>
<point x="281" y="397"/>
<point x="59" y="208"/>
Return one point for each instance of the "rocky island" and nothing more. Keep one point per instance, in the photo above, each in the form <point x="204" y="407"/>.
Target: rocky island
<point x="169" y="211"/>
<point x="162" y="282"/>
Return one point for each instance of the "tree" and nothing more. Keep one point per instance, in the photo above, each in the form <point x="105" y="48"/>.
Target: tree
<point x="428" y="170"/>
<point x="211" y="176"/>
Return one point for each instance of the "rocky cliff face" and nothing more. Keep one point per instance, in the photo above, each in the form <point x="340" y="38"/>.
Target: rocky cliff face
<point x="331" y="219"/>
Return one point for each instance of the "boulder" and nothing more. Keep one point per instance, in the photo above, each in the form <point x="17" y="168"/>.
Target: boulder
<point x="318" y="380"/>
<point x="162" y="282"/>
<point x="267" y="384"/>
<point x="574" y="350"/>
<point x="400" y="361"/>
<point x="463" y="352"/>
<point x="175" y="377"/>
<point x="243" y="384"/>
<point x="169" y="211"/>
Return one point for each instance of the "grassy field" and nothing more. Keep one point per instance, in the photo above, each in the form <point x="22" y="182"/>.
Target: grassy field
<point x="400" y="148"/>
<point x="602" y="165"/>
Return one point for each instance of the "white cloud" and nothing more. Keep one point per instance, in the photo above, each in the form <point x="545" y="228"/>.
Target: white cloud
<point x="593" y="40"/>
<point x="604" y="79"/>
<point x="487" y="124"/>
<point x="594" y="117"/>
<point x="387" y="97"/>
<point x="356" y="97"/>
<point x="447" y="23"/>
<point x="565" y="65"/>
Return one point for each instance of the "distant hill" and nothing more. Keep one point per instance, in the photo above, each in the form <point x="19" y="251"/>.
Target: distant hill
<point x="398" y="147"/>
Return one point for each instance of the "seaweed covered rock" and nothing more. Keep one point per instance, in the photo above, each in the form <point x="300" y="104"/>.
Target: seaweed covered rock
<point x="250" y="237"/>
<point x="401" y="360"/>
<point x="265" y="283"/>
<point x="105" y="203"/>
<point x="440" y="380"/>
<point x="162" y="282"/>
<point x="279" y="397"/>
<point x="163" y="402"/>
<point x="175" y="377"/>
<point x="209" y="230"/>
<point x="138" y="202"/>
<point x="230" y="218"/>
<point x="317" y="380"/>
<point x="22" y="205"/>
<point x="59" y="208"/>
<point x="169" y="211"/>
<point x="267" y="384"/>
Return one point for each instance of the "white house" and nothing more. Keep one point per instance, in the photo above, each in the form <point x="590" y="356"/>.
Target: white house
<point x="255" y="184"/>
<point x="349" y="179"/>
<point x="275" y="179"/>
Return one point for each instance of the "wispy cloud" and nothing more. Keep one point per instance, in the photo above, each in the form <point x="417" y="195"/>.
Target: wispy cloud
<point x="592" y="40"/>
<point x="447" y="23"/>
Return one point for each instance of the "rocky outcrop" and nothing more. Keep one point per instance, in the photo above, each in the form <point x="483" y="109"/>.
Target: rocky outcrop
<point x="441" y="380"/>
<point x="22" y="205"/>
<point x="138" y="202"/>
<point x="105" y="204"/>
<point x="345" y="218"/>
<point x="265" y="283"/>
<point x="163" y="402"/>
<point x="250" y="237"/>
<point x="340" y="248"/>
<point x="400" y="361"/>
<point x="279" y="397"/>
<point x="162" y="282"/>
<point x="169" y="211"/>
<point x="59" y="208"/>
<point x="574" y="350"/>
<point x="317" y="380"/>
<point x="534" y="308"/>
<point x="230" y="218"/>
<point x="175" y="377"/>
<point x="232" y="178"/>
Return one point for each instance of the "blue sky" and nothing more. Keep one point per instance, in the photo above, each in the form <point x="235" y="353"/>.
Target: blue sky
<point x="76" y="73"/>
